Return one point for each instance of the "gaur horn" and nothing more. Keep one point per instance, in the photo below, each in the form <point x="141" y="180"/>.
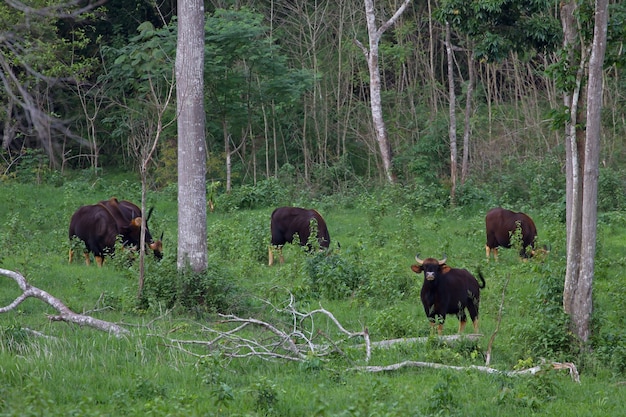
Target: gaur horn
<point x="443" y="261"/>
<point x="149" y="214"/>
<point x="418" y="260"/>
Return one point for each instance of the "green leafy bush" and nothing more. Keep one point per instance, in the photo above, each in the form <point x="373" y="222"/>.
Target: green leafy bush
<point x="394" y="322"/>
<point x="334" y="276"/>
<point x="546" y="333"/>
<point x="207" y="292"/>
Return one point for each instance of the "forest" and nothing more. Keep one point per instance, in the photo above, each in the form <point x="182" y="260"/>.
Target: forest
<point x="287" y="91"/>
<point x="481" y="103"/>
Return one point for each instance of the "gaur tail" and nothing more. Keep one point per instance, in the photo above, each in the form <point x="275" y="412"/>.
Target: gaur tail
<point x="480" y="275"/>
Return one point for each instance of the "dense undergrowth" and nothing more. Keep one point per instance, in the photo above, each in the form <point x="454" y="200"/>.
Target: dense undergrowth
<point x="365" y="281"/>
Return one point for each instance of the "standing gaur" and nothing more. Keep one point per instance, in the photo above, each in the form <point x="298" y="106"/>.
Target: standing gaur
<point x="287" y="221"/>
<point x="501" y="223"/>
<point x="99" y="225"/>
<point x="448" y="291"/>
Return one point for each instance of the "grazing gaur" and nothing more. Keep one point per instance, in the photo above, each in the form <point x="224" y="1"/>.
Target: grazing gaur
<point x="99" y="225"/>
<point x="128" y="217"/>
<point x="500" y="224"/>
<point x="287" y="221"/>
<point x="448" y="290"/>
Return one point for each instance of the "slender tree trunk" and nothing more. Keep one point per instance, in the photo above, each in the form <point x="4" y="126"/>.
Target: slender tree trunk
<point x="573" y="166"/>
<point x="192" y="231"/>
<point x="452" y="113"/>
<point x="371" y="55"/>
<point x="467" y="130"/>
<point x="227" y="154"/>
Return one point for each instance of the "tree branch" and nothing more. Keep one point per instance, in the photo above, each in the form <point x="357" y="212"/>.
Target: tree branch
<point x="416" y="364"/>
<point x="65" y="314"/>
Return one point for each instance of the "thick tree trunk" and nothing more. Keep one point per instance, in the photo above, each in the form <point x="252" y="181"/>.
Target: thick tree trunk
<point x="192" y="244"/>
<point x="583" y="305"/>
<point x="582" y="200"/>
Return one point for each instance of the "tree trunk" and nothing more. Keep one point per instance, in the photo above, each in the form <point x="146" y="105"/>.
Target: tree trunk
<point x="583" y="305"/>
<point x="452" y="112"/>
<point x="573" y="193"/>
<point x="577" y="296"/>
<point x="467" y="131"/>
<point x="371" y="54"/>
<point x="192" y="232"/>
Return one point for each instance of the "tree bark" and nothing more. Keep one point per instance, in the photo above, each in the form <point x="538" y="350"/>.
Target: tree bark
<point x="452" y="113"/>
<point x="573" y="151"/>
<point x="371" y="54"/>
<point x="467" y="131"/>
<point x="583" y="301"/>
<point x="582" y="201"/>
<point x="192" y="231"/>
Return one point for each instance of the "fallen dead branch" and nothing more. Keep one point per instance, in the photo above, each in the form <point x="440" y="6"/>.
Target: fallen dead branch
<point x="65" y="314"/>
<point x="416" y="364"/>
<point x="296" y="339"/>
<point x="385" y="344"/>
<point x="299" y="340"/>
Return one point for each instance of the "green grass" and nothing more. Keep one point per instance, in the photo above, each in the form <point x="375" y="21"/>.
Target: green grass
<point x="81" y="371"/>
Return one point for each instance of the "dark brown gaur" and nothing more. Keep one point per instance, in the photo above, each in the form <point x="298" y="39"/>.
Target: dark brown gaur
<point x="448" y="290"/>
<point x="128" y="216"/>
<point x="287" y="221"/>
<point x="500" y="224"/>
<point x="99" y="225"/>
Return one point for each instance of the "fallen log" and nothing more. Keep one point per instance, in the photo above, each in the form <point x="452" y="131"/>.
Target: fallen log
<point x="417" y="364"/>
<point x="65" y="314"/>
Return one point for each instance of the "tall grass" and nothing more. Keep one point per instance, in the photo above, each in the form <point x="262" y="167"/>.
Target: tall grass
<point x="52" y="368"/>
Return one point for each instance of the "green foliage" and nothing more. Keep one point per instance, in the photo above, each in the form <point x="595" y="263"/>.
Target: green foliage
<point x="498" y="28"/>
<point x="394" y="322"/>
<point x="533" y="394"/>
<point x="335" y="276"/>
<point x="611" y="190"/>
<point x="442" y="401"/>
<point x="366" y="284"/>
<point x="546" y="333"/>
<point x="532" y="183"/>
<point x="267" y="193"/>
<point x="266" y="396"/>
<point x="31" y="166"/>
<point x="428" y="159"/>
<point x="211" y="291"/>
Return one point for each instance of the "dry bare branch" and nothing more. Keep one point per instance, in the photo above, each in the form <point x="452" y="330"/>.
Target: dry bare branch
<point x="384" y="344"/>
<point x="417" y="364"/>
<point x="498" y="321"/>
<point x="65" y="314"/>
<point x="296" y="341"/>
<point x="66" y="10"/>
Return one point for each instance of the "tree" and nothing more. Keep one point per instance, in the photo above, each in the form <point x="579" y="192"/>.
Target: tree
<point x="192" y="228"/>
<point x="494" y="31"/>
<point x="36" y="63"/>
<point x="140" y="86"/>
<point x="371" y="55"/>
<point x="582" y="187"/>
<point x="244" y="74"/>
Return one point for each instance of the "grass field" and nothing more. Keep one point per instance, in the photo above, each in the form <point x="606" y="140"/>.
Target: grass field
<point x="58" y="369"/>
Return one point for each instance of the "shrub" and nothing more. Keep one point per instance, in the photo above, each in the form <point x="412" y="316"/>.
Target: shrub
<point x="394" y="322"/>
<point x="547" y="333"/>
<point x="196" y="292"/>
<point x="611" y="190"/>
<point x="334" y="276"/>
